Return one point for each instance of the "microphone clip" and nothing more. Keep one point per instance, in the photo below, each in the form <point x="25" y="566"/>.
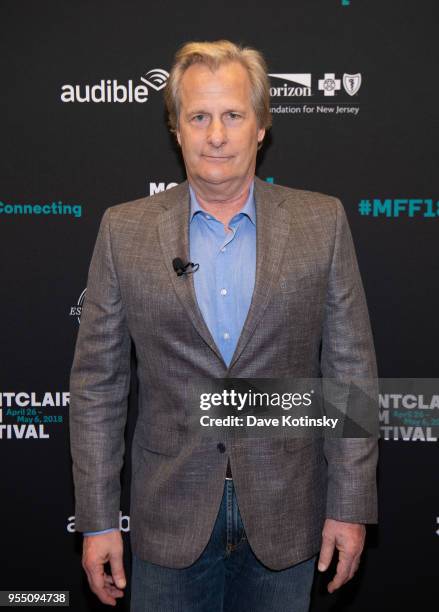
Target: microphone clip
<point x="182" y="269"/>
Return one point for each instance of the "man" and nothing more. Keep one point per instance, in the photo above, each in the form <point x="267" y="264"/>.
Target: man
<point x="277" y="295"/>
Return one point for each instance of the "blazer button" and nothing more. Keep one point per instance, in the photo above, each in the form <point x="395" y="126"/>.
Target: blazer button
<point x="220" y="446"/>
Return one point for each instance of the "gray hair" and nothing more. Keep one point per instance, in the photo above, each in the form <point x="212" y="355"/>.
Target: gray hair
<point x="215" y="54"/>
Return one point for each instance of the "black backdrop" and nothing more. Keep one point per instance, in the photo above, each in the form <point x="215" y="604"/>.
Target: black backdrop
<point x="91" y="155"/>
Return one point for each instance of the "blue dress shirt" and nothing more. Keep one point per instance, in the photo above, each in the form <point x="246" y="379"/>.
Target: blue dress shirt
<point x="225" y="280"/>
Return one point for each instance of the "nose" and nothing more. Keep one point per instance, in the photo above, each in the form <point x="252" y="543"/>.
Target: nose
<point x="217" y="134"/>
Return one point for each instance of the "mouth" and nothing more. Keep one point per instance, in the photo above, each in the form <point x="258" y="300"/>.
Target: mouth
<point x="217" y="158"/>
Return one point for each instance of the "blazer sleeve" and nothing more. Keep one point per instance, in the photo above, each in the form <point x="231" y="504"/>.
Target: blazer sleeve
<point x="348" y="354"/>
<point x="99" y="387"/>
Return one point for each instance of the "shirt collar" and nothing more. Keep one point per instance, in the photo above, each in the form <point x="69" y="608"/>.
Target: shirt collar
<point x="248" y="209"/>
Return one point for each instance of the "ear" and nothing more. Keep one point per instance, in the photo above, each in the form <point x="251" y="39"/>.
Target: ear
<point x="261" y="134"/>
<point x="178" y="136"/>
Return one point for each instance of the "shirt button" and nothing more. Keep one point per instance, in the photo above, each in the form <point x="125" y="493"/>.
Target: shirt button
<point x="223" y="291"/>
<point x="223" y="249"/>
<point x="207" y="216"/>
<point x="220" y="446"/>
<point x="226" y="335"/>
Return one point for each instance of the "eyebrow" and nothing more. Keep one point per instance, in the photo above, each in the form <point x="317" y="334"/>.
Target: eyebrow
<point x="200" y="111"/>
<point x="197" y="111"/>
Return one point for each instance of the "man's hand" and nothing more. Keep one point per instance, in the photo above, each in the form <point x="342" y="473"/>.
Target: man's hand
<point x="97" y="550"/>
<point x="348" y="538"/>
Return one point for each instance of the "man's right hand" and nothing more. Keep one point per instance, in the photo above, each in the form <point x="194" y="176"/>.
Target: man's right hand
<point x="98" y="550"/>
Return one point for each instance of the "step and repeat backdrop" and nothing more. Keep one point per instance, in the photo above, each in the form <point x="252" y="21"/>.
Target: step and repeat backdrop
<point x="354" y="94"/>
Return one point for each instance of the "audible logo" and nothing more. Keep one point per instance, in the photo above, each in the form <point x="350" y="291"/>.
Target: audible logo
<point x="111" y="91"/>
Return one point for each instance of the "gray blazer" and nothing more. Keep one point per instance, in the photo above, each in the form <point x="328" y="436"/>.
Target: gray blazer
<point x="308" y="318"/>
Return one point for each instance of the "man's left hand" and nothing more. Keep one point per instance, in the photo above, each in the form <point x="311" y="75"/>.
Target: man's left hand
<point x="348" y="539"/>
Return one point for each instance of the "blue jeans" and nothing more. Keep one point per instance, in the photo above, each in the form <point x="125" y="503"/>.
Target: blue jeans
<point x="227" y="577"/>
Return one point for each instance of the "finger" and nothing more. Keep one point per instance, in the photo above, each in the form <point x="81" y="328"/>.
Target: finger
<point x="95" y="575"/>
<point x="111" y="588"/>
<point x="104" y="594"/>
<point x="342" y="573"/>
<point x="354" y="567"/>
<point x="326" y="553"/>
<point x="112" y="591"/>
<point x="117" y="570"/>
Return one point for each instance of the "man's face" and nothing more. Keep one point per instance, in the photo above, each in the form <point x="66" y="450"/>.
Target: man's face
<point x="217" y="128"/>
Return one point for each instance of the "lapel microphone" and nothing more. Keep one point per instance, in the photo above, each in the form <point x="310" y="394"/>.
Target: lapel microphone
<point x="182" y="269"/>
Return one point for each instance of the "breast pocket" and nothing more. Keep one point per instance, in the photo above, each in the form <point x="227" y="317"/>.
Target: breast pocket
<point x="301" y="279"/>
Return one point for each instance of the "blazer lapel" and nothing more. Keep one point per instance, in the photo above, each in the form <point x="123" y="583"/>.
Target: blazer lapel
<point x="173" y="231"/>
<point x="272" y="230"/>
